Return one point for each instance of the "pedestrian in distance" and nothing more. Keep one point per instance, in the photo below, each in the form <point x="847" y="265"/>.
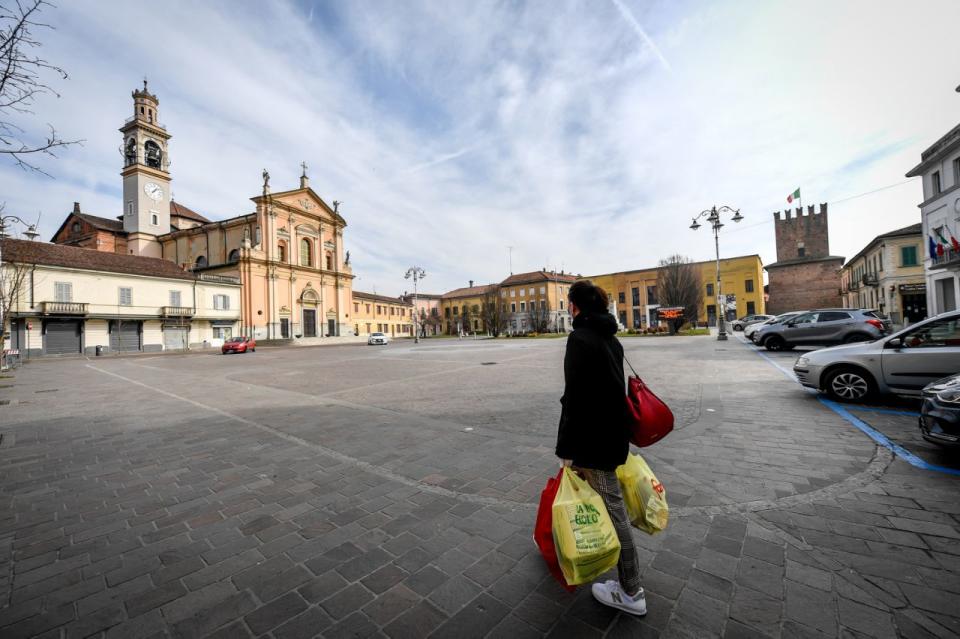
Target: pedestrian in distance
<point x="593" y="437"/>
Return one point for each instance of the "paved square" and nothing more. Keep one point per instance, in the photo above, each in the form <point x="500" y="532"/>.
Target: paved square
<point x="355" y="491"/>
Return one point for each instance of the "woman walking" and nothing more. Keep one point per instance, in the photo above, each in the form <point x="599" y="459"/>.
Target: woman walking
<point x="593" y="435"/>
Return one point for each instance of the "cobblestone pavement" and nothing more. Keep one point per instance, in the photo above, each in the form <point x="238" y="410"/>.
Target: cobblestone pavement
<point x="390" y="492"/>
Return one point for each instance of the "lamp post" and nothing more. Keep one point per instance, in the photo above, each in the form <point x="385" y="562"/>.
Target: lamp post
<point x="417" y="274"/>
<point x="713" y="216"/>
<point x="31" y="234"/>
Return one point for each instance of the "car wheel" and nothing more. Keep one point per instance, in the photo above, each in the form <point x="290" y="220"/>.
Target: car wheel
<point x="849" y="384"/>
<point x="856" y="337"/>
<point x="737" y="327"/>
<point x="774" y="343"/>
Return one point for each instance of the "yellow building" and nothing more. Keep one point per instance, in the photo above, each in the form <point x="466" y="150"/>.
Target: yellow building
<point x="460" y="309"/>
<point x="381" y="314"/>
<point x="633" y="294"/>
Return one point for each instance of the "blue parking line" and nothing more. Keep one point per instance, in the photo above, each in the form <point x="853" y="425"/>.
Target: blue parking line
<point x="882" y="439"/>
<point x="885" y="411"/>
<point x="861" y="425"/>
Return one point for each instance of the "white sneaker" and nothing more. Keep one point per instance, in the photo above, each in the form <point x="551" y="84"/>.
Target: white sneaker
<point x="611" y="594"/>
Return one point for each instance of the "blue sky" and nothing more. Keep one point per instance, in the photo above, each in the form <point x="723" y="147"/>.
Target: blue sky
<point x="583" y="134"/>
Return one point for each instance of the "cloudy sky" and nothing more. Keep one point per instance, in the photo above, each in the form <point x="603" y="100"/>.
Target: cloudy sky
<point x="584" y="134"/>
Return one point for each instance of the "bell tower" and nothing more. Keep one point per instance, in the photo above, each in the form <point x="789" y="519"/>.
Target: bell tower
<point x="146" y="176"/>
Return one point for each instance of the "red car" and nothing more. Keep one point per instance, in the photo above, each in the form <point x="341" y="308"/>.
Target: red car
<point x="239" y="345"/>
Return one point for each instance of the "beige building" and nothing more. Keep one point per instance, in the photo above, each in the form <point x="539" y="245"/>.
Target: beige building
<point x="71" y="300"/>
<point x="887" y="275"/>
<point x="381" y="314"/>
<point x="537" y="302"/>
<point x="427" y="306"/>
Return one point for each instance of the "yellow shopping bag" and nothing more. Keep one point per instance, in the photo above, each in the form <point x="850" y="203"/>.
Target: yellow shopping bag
<point x="644" y="496"/>
<point x="583" y="533"/>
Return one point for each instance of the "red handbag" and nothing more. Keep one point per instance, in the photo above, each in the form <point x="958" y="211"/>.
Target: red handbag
<point x="648" y="417"/>
<point x="543" y="531"/>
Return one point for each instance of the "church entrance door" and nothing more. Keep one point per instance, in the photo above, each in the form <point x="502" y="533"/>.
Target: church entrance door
<point x="331" y="328"/>
<point x="309" y="322"/>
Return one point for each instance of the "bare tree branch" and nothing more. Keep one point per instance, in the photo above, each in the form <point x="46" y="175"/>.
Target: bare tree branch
<point x="22" y="80"/>
<point x="678" y="285"/>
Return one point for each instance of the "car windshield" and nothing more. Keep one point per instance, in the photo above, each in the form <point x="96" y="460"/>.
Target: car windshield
<point x="236" y="340"/>
<point x="378" y="335"/>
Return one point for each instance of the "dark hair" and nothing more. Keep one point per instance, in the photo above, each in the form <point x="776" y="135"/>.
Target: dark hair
<point x="588" y="297"/>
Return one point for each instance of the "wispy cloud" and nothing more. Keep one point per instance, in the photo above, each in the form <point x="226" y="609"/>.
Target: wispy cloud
<point x="646" y="39"/>
<point x="451" y="133"/>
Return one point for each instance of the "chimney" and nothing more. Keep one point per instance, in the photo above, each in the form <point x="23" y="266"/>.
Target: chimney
<point x="76" y="207"/>
<point x="471" y="283"/>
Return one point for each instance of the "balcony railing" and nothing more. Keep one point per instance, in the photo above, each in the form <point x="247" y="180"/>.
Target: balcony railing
<point x="63" y="308"/>
<point x="177" y="311"/>
<point x="854" y="285"/>
<point x="949" y="259"/>
<point x="870" y="279"/>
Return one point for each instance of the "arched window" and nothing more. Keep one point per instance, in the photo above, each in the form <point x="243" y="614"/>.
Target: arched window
<point x="234" y="256"/>
<point x="282" y="251"/>
<point x="201" y="262"/>
<point x="329" y="262"/>
<point x="130" y="155"/>
<point x="305" y="257"/>
<point x="152" y="154"/>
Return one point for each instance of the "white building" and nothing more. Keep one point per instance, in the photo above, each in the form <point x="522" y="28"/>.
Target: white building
<point x="67" y="300"/>
<point x="940" y="212"/>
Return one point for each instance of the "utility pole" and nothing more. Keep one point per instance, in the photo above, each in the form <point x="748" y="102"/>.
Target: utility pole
<point x="510" y="252"/>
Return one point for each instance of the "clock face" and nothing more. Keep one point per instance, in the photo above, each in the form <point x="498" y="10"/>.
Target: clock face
<point x="154" y="191"/>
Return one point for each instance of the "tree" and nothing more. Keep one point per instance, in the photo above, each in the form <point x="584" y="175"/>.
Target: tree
<point x="22" y="79"/>
<point x="678" y="285"/>
<point x="539" y="316"/>
<point x="465" y="318"/>
<point x="13" y="277"/>
<point x="493" y="311"/>
<point x="432" y="320"/>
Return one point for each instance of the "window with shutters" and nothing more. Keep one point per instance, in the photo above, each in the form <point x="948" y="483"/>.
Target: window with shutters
<point x="221" y="302"/>
<point x="174" y="298"/>
<point x="63" y="291"/>
<point x="908" y="256"/>
<point x="126" y="296"/>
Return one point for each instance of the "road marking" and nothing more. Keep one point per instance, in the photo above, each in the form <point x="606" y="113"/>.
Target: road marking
<point x="869" y="431"/>
<point x="366" y="466"/>
<point x="885" y="411"/>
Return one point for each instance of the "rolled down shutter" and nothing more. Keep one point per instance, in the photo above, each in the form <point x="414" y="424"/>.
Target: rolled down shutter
<point x="174" y="339"/>
<point x="124" y="336"/>
<point x="61" y="336"/>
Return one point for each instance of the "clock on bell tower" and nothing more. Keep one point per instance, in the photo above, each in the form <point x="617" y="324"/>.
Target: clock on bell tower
<point x="146" y="176"/>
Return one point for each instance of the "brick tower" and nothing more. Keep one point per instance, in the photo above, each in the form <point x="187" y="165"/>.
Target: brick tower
<point x="805" y="275"/>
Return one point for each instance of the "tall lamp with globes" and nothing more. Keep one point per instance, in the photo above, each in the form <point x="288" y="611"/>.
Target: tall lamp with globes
<point x="416" y="274"/>
<point x="713" y="216"/>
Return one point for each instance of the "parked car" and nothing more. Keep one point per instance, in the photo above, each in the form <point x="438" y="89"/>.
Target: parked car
<point x="750" y="332"/>
<point x="940" y="414"/>
<point x="825" y="326"/>
<point x="239" y="345"/>
<point x="902" y="363"/>
<point x="743" y="322"/>
<point x="378" y="338"/>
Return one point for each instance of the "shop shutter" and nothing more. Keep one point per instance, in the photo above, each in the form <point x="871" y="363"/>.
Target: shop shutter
<point x="125" y="336"/>
<point x="61" y="336"/>
<point x="174" y="339"/>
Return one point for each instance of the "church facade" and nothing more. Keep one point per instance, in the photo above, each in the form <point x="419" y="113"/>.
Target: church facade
<point x="288" y="252"/>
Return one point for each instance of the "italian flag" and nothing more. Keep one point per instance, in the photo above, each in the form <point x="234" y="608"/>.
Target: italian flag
<point x="793" y="196"/>
<point x="953" y="241"/>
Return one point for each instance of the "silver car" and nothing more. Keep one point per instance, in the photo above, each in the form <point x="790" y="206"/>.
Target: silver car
<point x="824" y="327"/>
<point x="901" y="363"/>
<point x="743" y="322"/>
<point x="750" y="332"/>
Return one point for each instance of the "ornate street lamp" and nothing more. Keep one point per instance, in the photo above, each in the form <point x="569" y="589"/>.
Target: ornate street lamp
<point x="416" y="273"/>
<point x="713" y="216"/>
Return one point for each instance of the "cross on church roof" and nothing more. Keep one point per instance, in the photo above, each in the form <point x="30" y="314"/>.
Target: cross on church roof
<point x="304" y="165"/>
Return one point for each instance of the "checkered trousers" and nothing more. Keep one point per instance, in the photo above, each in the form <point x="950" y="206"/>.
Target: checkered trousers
<point x="605" y="482"/>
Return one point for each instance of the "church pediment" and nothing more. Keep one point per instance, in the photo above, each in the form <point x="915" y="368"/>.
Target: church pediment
<point x="305" y="201"/>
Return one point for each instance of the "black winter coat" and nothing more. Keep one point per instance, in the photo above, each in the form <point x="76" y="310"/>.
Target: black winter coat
<point x="593" y="424"/>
